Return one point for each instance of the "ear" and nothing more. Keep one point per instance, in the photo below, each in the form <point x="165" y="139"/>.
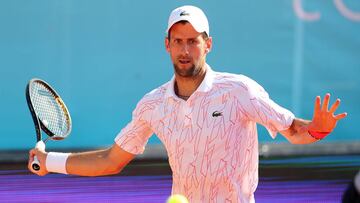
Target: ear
<point x="167" y="44"/>
<point x="208" y="44"/>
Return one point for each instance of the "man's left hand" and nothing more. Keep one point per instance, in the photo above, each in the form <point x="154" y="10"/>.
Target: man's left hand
<point x="324" y="119"/>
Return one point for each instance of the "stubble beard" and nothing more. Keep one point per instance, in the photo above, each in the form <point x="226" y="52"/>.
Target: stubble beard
<point x="194" y="70"/>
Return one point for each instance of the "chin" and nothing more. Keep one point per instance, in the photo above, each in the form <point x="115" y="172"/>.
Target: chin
<point x="188" y="73"/>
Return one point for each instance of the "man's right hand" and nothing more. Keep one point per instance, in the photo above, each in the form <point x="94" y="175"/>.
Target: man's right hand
<point x="41" y="156"/>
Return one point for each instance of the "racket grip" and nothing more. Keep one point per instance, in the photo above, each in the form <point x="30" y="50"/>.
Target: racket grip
<point x="35" y="163"/>
<point x="40" y="145"/>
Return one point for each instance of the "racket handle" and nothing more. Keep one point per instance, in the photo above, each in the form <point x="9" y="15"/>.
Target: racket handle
<point x="35" y="163"/>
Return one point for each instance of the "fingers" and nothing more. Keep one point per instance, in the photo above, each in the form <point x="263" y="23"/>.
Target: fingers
<point x="317" y="104"/>
<point x="41" y="158"/>
<point x="326" y="102"/>
<point x="334" y="106"/>
<point x="340" y="116"/>
<point x="32" y="153"/>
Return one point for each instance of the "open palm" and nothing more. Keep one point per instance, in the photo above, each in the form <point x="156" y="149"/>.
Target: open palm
<point x="324" y="119"/>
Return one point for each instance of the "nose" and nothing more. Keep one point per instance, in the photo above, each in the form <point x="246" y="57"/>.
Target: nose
<point x="185" y="48"/>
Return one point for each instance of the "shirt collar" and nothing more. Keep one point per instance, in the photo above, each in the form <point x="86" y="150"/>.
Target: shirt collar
<point x="205" y="85"/>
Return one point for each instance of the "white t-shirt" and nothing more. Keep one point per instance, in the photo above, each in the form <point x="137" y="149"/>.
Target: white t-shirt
<point x="211" y="139"/>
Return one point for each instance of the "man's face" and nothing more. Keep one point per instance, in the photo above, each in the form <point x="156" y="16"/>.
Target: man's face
<point x="187" y="49"/>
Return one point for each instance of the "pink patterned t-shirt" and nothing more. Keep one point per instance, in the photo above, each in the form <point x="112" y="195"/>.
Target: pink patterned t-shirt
<point x="211" y="139"/>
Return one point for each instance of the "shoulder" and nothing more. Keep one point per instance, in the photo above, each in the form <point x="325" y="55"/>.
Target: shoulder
<point x="157" y="93"/>
<point x="153" y="98"/>
<point x="237" y="82"/>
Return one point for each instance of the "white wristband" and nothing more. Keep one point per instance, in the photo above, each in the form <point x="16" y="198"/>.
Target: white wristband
<point x="56" y="162"/>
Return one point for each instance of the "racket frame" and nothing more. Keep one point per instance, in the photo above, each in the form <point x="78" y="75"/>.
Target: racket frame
<point x="39" y="125"/>
<point x="37" y="122"/>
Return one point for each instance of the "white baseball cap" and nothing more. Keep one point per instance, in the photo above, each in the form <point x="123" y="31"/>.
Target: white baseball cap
<point x="194" y="15"/>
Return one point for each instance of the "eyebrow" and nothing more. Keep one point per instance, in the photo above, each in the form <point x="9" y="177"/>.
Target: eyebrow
<point x="192" y="38"/>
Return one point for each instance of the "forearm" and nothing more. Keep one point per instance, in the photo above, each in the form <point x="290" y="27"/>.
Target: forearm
<point x="98" y="163"/>
<point x="298" y="132"/>
<point x="94" y="163"/>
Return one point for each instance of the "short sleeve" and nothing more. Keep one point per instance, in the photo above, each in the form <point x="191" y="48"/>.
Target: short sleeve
<point x="136" y="134"/>
<point x="258" y="106"/>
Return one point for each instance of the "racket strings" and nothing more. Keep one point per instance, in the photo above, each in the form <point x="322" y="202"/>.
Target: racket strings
<point x="50" y="110"/>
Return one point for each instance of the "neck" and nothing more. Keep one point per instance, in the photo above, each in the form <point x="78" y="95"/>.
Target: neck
<point x="186" y="86"/>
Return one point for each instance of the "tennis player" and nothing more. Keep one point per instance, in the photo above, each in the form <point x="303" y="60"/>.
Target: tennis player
<point x="206" y="121"/>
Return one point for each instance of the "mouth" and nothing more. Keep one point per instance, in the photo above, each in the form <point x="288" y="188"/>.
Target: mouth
<point x="184" y="61"/>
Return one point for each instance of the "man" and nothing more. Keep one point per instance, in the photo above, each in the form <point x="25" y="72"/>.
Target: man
<point x="206" y="120"/>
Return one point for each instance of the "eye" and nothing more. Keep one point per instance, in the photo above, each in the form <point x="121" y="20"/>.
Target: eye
<point x="192" y="41"/>
<point x="177" y="41"/>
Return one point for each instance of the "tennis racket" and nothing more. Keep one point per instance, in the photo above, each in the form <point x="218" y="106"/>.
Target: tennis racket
<point x="49" y="114"/>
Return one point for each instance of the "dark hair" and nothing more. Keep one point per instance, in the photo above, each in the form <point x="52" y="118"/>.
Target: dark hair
<point x="203" y="34"/>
